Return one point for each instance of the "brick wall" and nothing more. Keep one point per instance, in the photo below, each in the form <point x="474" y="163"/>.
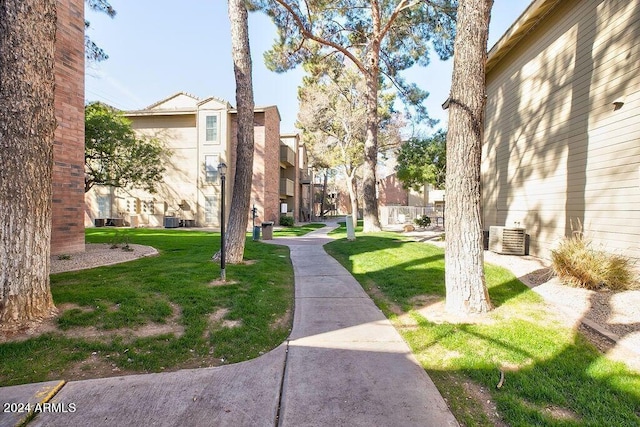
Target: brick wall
<point x="265" y="185"/>
<point x="67" y="234"/>
<point x="272" y="164"/>
<point x="390" y="192"/>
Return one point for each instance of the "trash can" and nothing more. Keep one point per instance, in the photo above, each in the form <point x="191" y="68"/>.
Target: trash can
<point x="267" y="230"/>
<point x="99" y="222"/>
<point x="256" y="232"/>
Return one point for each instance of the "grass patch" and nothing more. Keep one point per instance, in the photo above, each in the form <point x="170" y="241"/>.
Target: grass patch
<point x="553" y="376"/>
<point x="296" y="231"/>
<point x="173" y="287"/>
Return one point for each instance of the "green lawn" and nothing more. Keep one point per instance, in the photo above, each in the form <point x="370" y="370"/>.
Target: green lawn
<point x="296" y="231"/>
<point x="215" y="324"/>
<point x="553" y="376"/>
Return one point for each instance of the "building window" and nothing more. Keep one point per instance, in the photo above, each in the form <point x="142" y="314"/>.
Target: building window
<point x="211" y="129"/>
<point x="148" y="207"/>
<point x="133" y="205"/>
<point x="104" y="206"/>
<point x="211" y="168"/>
<point x="210" y="209"/>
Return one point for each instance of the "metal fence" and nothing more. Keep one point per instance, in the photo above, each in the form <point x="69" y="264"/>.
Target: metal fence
<point x="390" y="215"/>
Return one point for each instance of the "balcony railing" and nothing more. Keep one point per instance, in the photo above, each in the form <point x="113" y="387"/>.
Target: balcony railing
<point x="287" y="156"/>
<point x="286" y="187"/>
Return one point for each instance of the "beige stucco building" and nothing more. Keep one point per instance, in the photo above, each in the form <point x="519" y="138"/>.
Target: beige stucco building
<point x="199" y="135"/>
<point x="562" y="135"/>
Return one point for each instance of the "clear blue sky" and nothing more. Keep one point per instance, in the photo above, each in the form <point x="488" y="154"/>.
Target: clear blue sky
<point x="159" y="47"/>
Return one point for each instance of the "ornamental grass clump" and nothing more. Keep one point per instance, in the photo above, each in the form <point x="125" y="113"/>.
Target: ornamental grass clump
<point x="578" y="264"/>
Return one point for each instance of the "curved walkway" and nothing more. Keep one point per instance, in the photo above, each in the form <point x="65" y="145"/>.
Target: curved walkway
<point x="343" y="364"/>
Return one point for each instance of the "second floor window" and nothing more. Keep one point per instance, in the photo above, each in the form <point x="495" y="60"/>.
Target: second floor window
<point x="211" y="129"/>
<point x="211" y="168"/>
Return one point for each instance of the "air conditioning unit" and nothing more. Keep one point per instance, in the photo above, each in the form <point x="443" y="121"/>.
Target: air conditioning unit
<point x="507" y="241"/>
<point x="171" y="222"/>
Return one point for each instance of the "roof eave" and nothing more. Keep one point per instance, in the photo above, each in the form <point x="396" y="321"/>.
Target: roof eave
<point x="536" y="11"/>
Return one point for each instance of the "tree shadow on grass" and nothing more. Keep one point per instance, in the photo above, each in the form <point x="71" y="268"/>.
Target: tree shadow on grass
<point x="407" y="279"/>
<point x="553" y="376"/>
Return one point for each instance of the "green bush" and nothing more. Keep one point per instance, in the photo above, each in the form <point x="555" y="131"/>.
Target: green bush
<point x="577" y="264"/>
<point x="286" y="221"/>
<point x="422" y="221"/>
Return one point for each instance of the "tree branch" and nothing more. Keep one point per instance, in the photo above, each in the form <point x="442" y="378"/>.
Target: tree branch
<point x="307" y="34"/>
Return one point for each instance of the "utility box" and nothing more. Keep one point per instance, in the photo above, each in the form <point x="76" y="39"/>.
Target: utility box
<point x="507" y="241"/>
<point x="171" y="222"/>
<point x="267" y="230"/>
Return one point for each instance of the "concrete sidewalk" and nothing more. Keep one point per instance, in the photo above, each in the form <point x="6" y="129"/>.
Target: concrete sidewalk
<point x="344" y="364"/>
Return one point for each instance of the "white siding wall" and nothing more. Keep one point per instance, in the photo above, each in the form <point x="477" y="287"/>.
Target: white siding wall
<point x="555" y="149"/>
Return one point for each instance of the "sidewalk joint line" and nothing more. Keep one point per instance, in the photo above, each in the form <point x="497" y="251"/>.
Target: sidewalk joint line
<point x="284" y="372"/>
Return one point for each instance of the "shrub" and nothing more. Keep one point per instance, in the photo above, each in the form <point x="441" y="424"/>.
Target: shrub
<point x="286" y="221"/>
<point x="577" y="264"/>
<point x="422" y="221"/>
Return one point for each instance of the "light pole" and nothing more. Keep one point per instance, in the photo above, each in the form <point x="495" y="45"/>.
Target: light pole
<point x="222" y="170"/>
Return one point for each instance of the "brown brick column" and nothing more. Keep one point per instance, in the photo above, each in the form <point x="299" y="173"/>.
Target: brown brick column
<point x="67" y="234"/>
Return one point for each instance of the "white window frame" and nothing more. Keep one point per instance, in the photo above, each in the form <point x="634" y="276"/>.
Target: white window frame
<point x="215" y="138"/>
<point x="211" y="162"/>
<point x="104" y="206"/>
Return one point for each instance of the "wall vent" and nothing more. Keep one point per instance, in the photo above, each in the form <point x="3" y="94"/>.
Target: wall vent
<point x="507" y="241"/>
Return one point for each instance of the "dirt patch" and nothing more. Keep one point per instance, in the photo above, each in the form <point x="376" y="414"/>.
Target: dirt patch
<point x="282" y="322"/>
<point x="435" y="312"/>
<point x="95" y="366"/>
<point x="231" y="324"/>
<point x="556" y="412"/>
<point x="220" y="282"/>
<point x="377" y="294"/>
<point x="218" y="315"/>
<point x="482" y="396"/>
<point x="50" y="326"/>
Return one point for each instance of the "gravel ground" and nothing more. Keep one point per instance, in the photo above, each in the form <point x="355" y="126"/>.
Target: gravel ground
<point x="98" y="254"/>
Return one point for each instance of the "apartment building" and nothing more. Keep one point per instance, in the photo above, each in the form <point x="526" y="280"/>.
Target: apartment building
<point x="562" y="123"/>
<point x="199" y="134"/>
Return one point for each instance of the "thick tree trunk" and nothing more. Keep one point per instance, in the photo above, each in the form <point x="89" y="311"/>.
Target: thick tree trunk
<point x="27" y="124"/>
<point x="371" y="221"/>
<point x="464" y="274"/>
<point x="241" y="198"/>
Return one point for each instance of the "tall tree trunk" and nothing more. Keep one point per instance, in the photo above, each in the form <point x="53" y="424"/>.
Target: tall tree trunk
<point x="466" y="289"/>
<point x="27" y="124"/>
<point x="241" y="199"/>
<point x="371" y="221"/>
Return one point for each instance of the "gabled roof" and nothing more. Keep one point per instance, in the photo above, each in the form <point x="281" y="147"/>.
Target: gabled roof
<point x="175" y="95"/>
<point x="536" y="12"/>
<point x="215" y="98"/>
<point x="180" y="103"/>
